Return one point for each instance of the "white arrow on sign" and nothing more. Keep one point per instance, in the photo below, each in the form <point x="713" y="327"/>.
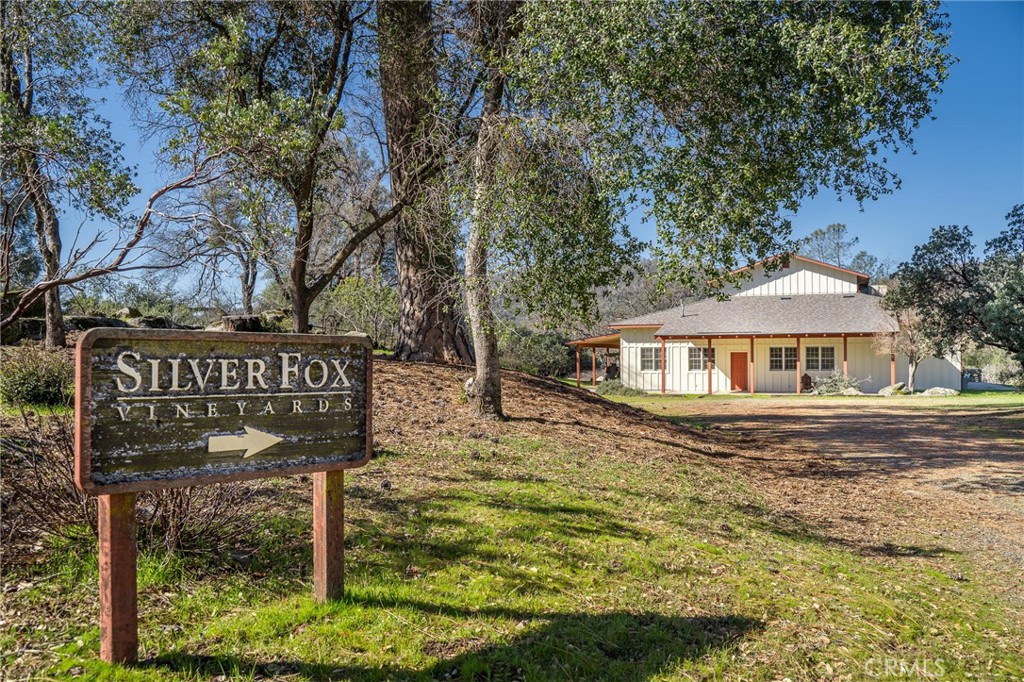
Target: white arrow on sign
<point x="253" y="441"/>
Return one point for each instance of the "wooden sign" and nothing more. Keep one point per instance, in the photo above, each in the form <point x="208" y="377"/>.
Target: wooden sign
<point x="160" y="409"/>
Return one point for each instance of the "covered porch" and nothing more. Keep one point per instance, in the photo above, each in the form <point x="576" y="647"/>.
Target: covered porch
<point x="766" y="363"/>
<point x="608" y="342"/>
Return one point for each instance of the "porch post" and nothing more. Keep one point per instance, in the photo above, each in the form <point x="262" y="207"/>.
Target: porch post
<point x="663" y="363"/>
<point x="799" y="388"/>
<point x="753" y="373"/>
<point x="846" y="366"/>
<point x="577" y="366"/>
<point x="892" y="368"/>
<point x="593" y="366"/>
<point x="709" y="366"/>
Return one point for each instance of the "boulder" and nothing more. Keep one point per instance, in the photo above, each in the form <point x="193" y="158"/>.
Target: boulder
<point x="83" y="322"/>
<point x="940" y="390"/>
<point x="31" y="328"/>
<point x="242" y="323"/>
<point x="127" y="313"/>
<point x="852" y="391"/>
<point x="895" y="389"/>
<point x="153" y="322"/>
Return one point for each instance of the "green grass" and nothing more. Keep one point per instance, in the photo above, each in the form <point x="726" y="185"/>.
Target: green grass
<point x="529" y="559"/>
<point x="42" y="410"/>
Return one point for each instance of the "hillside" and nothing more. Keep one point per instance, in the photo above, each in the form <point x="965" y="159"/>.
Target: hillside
<point x="582" y="539"/>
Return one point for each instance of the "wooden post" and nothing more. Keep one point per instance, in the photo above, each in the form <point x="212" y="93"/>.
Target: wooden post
<point x="119" y="615"/>
<point x="846" y="365"/>
<point x="799" y="388"/>
<point x="753" y="372"/>
<point x="709" y="366"/>
<point x="593" y="366"/>
<point x="663" y="365"/>
<point x="892" y="368"/>
<point x="328" y="535"/>
<point x="577" y="366"/>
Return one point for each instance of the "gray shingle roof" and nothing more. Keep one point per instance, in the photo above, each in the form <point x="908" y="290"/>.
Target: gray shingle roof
<point x="761" y="315"/>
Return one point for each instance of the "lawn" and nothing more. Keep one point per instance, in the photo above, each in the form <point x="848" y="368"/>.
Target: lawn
<point x="578" y="541"/>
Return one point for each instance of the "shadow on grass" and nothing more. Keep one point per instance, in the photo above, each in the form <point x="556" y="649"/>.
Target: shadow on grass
<point x="610" y="646"/>
<point x="793" y="528"/>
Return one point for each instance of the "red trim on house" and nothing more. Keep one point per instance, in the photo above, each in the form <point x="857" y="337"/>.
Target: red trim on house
<point x="662" y="365"/>
<point x="709" y="364"/>
<point x="830" y="335"/>
<point x="799" y="387"/>
<point x="636" y="326"/>
<point x="753" y="370"/>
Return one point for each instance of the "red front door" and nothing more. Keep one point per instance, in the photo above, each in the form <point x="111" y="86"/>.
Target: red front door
<point x="738" y="371"/>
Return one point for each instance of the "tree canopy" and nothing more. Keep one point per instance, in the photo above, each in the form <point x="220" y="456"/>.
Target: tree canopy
<point x="962" y="296"/>
<point x="722" y="117"/>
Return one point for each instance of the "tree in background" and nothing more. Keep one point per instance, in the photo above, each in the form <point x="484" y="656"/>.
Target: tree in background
<point x="271" y="82"/>
<point x="722" y="117"/>
<point x="55" y="148"/>
<point x="834" y="245"/>
<point x="365" y="303"/>
<point x="20" y="263"/>
<point x="830" y="244"/>
<point x="961" y="297"/>
<point x="423" y="112"/>
<point x="909" y="339"/>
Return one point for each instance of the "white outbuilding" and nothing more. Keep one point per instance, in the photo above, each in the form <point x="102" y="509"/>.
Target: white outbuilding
<point x="773" y="333"/>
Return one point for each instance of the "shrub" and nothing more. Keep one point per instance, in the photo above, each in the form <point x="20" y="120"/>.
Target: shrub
<point x="41" y="502"/>
<point x="540" y="353"/>
<point x="31" y="375"/>
<point x="362" y="304"/>
<point x="835" y="383"/>
<point x="616" y="387"/>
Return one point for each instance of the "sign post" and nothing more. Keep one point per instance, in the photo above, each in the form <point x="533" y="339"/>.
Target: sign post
<point x="163" y="409"/>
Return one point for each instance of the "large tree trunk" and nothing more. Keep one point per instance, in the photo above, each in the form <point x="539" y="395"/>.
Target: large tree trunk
<point x="495" y="26"/>
<point x="430" y="326"/>
<point x="484" y="390"/>
<point x="302" y="301"/>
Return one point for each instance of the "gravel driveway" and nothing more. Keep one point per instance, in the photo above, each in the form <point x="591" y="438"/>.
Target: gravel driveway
<point x="903" y="476"/>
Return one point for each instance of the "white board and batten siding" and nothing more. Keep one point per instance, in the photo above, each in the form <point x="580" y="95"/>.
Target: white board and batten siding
<point x="800" y="277"/>
<point x="864" y="364"/>
<point x="632" y="340"/>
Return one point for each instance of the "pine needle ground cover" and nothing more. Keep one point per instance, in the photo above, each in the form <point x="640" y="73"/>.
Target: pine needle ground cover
<point x="582" y="540"/>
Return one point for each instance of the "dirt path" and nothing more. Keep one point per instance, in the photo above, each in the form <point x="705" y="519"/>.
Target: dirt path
<point x="890" y="477"/>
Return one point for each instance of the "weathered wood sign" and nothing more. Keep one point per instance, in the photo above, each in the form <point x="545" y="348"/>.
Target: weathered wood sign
<point x="165" y="409"/>
<point x="159" y="409"/>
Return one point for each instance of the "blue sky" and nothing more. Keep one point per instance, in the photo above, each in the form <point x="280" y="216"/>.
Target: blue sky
<point x="969" y="163"/>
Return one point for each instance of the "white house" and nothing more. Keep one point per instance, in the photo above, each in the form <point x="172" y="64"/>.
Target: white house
<point x="809" y="318"/>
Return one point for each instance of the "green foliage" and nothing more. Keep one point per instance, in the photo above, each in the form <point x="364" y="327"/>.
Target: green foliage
<point x="35" y="376"/>
<point x="541" y="353"/>
<point x="362" y="304"/>
<point x="834" y="383"/>
<point x="721" y="117"/>
<point x="556" y="228"/>
<point x="153" y="294"/>
<point x="962" y="297"/>
<point x="616" y="387"/>
<point x="47" y="107"/>
<point x="22" y="263"/>
<point x="834" y="244"/>
<point x="830" y="244"/>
